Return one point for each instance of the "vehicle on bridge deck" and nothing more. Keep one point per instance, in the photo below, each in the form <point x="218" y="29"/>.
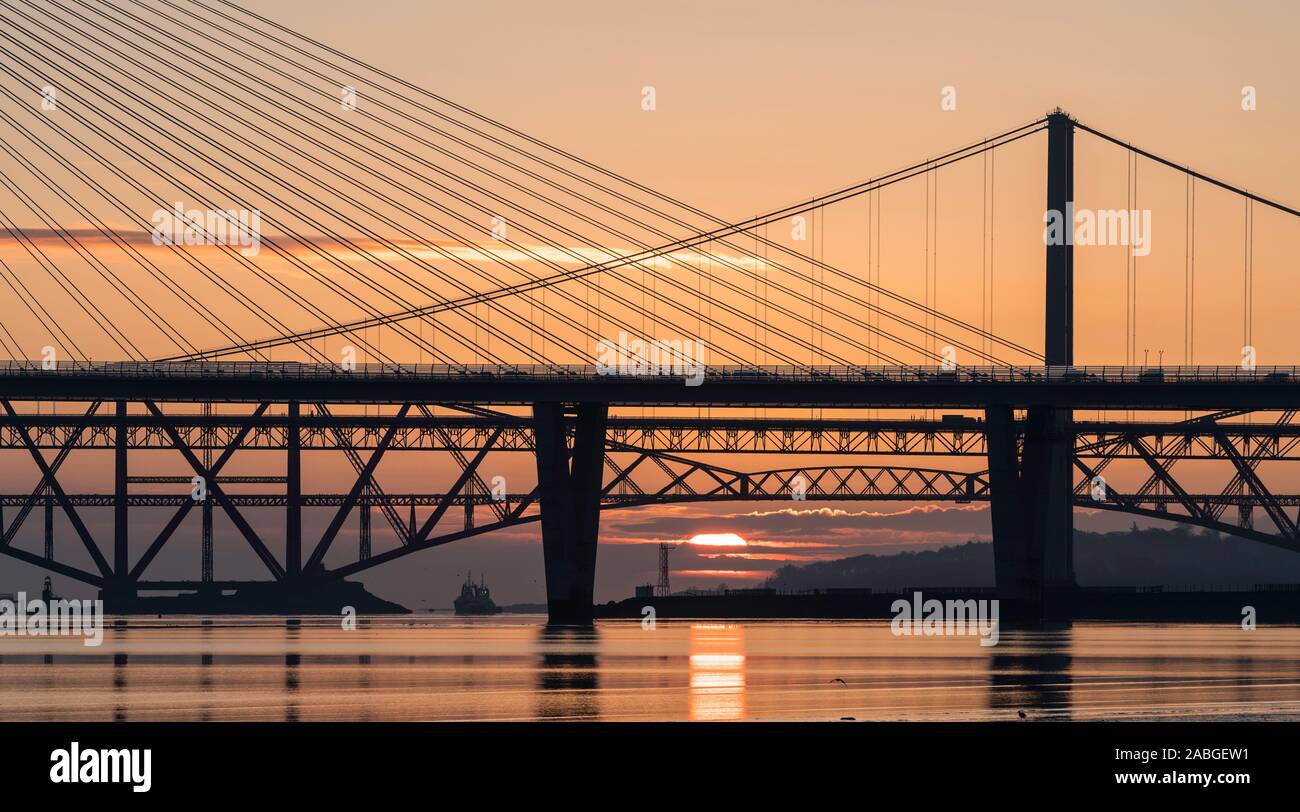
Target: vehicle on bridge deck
<point x="1079" y="375"/>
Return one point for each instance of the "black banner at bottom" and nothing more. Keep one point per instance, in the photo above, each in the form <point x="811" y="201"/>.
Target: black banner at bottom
<point x="553" y="763"/>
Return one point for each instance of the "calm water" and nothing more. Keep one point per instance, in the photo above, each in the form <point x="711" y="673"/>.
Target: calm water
<point x="514" y="668"/>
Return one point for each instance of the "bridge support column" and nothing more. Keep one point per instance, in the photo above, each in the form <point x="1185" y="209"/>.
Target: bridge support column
<point x="120" y="590"/>
<point x="49" y="524"/>
<point x="293" y="493"/>
<point x="121" y="537"/>
<point x="1032" y="493"/>
<point x="1031" y="505"/>
<point x="1048" y="463"/>
<point x="1014" y="562"/>
<point x="569" y="482"/>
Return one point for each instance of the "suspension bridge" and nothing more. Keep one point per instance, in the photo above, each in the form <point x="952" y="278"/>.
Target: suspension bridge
<point x="426" y="278"/>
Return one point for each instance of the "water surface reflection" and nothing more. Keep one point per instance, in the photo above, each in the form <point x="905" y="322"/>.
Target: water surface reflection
<point x="568" y="685"/>
<point x="717" y="671"/>
<point x="1031" y="670"/>
<point x="518" y="668"/>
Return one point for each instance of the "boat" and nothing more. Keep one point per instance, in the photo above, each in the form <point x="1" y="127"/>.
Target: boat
<point x="475" y="599"/>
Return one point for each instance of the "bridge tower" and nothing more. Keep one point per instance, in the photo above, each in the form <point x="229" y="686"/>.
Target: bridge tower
<point x="1032" y="488"/>
<point x="568" y="482"/>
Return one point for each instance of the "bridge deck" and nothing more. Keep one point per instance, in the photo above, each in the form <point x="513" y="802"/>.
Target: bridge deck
<point x="1181" y="387"/>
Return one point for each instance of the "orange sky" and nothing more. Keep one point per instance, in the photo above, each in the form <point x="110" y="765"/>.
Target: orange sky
<point x="759" y="105"/>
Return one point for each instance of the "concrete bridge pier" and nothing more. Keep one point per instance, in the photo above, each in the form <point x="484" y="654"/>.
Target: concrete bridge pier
<point x="1031" y="507"/>
<point x="569" y="481"/>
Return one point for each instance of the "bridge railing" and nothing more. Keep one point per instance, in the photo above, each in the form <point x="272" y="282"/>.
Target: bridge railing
<point x="713" y="374"/>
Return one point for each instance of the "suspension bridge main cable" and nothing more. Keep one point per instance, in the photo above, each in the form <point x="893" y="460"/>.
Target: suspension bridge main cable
<point x="684" y="243"/>
<point x="503" y="127"/>
<point x="818" y="263"/>
<point x="1188" y="170"/>
<point x="524" y="136"/>
<point x="411" y="156"/>
<point x="1250" y="200"/>
<point x="817" y="327"/>
<point x="478" y="116"/>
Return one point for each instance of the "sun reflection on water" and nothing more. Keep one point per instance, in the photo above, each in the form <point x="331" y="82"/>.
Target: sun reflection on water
<point x="717" y="672"/>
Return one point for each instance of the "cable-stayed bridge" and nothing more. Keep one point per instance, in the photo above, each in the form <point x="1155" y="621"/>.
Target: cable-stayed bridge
<point x="225" y="237"/>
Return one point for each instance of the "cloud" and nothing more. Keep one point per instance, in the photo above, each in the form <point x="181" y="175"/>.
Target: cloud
<point x="721" y="573"/>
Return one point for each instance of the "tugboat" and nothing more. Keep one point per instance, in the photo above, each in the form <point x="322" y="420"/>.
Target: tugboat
<point x="475" y="599"/>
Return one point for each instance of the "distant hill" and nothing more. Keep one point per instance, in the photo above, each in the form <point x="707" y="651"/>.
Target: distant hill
<point x="1136" y="557"/>
<point x="524" y="609"/>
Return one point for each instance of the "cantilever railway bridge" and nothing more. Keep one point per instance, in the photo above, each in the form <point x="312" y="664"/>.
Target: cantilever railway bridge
<point x="476" y="347"/>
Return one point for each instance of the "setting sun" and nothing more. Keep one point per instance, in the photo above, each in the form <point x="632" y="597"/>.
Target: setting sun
<point x="718" y="540"/>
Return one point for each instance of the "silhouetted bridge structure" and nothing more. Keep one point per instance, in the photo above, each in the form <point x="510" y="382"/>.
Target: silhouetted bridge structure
<point x="377" y="218"/>
<point x="648" y="444"/>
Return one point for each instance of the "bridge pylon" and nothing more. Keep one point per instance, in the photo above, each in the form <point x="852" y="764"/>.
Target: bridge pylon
<point x="569" y="484"/>
<point x="1032" y="491"/>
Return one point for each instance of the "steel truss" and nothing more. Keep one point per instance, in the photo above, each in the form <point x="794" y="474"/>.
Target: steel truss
<point x="427" y="431"/>
<point x="639" y="463"/>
